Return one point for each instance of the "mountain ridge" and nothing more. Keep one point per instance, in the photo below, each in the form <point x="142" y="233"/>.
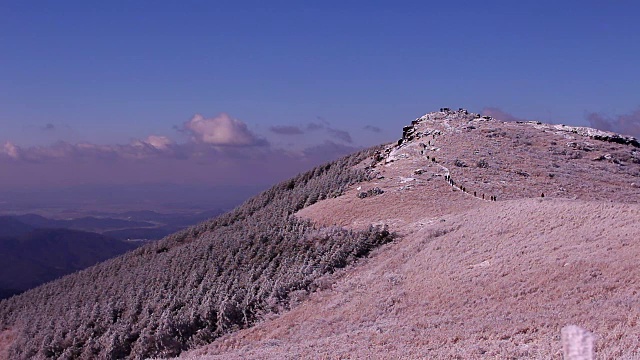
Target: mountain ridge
<point x="485" y="216"/>
<point x="470" y="277"/>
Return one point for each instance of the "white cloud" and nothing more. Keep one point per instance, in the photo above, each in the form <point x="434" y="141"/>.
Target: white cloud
<point x="155" y="141"/>
<point x="12" y="150"/>
<point x="221" y="130"/>
<point x="159" y="142"/>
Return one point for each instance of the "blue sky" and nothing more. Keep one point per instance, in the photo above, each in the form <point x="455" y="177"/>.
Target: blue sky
<point x="109" y="73"/>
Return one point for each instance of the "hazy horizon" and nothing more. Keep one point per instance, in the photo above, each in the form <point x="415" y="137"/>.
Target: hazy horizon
<point x="99" y="200"/>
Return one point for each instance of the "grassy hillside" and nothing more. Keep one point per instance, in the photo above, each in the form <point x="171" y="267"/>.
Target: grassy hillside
<point x="496" y="281"/>
<point x="196" y="285"/>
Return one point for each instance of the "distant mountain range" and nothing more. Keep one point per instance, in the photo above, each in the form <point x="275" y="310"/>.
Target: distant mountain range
<point x="10" y="226"/>
<point x="128" y="225"/>
<point x="163" y="224"/>
<point x="88" y="223"/>
<point x="35" y="249"/>
<point x="30" y="257"/>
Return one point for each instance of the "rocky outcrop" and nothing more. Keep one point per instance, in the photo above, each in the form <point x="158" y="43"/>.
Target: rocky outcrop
<point x="369" y="193"/>
<point x="489" y="156"/>
<point x="410" y="132"/>
<point x="588" y="132"/>
<point x="618" y="139"/>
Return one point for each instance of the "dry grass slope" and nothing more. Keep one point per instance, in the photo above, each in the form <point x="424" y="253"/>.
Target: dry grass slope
<point x="498" y="281"/>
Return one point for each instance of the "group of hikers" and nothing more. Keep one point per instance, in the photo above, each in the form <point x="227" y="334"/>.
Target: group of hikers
<point x="449" y="180"/>
<point x="447" y="177"/>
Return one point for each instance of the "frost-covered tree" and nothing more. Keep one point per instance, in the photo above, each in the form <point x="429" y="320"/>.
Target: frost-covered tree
<point x="193" y="286"/>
